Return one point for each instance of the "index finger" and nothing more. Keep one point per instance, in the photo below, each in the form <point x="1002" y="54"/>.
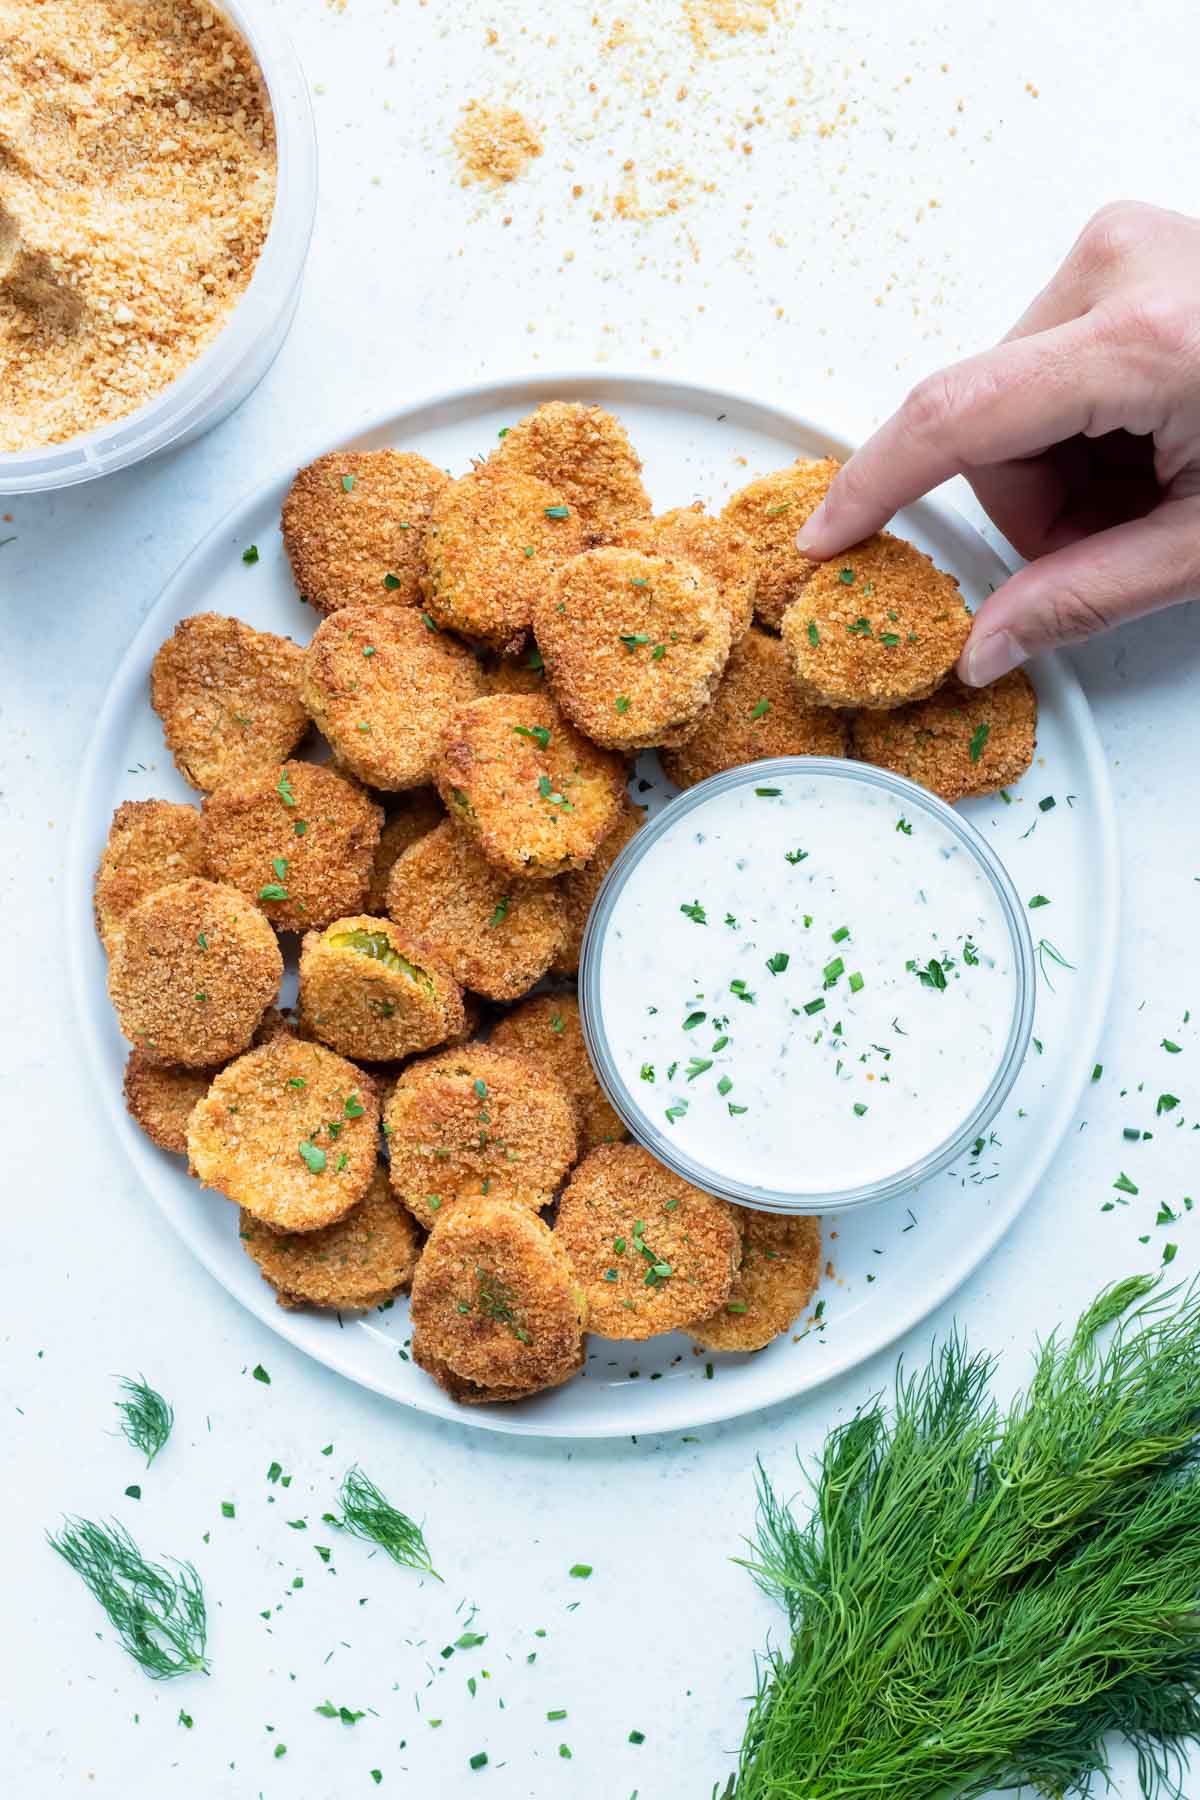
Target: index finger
<point x="1009" y="402"/>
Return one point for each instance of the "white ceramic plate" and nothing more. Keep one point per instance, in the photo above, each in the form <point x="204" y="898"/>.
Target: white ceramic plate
<point x="892" y="1264"/>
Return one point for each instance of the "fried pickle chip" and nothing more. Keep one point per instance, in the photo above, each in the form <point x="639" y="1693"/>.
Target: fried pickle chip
<point x="755" y="713"/>
<point x="651" y="1252"/>
<point x="289" y="1132"/>
<point x="960" y="742"/>
<point x="495" y="539"/>
<point x="410" y="816"/>
<point x="586" y="454"/>
<point x="471" y="1393"/>
<point x="878" y="626"/>
<point x="579" y="889"/>
<point x="228" y="697"/>
<point x="354" y="527"/>
<point x="299" y="841"/>
<point x="525" y="786"/>
<point x="192" y="973"/>
<point x="370" y="990"/>
<point x="362" y="1260"/>
<point x="160" y="1098"/>
<point x="781" y="1266"/>
<point x="474" y="1121"/>
<point x="769" y="512"/>
<point x="378" y="682"/>
<point x="498" y="935"/>
<point x="689" y="534"/>
<point x="547" y="1030"/>
<point x="495" y="1299"/>
<point x="634" y="645"/>
<point x="151" y="843"/>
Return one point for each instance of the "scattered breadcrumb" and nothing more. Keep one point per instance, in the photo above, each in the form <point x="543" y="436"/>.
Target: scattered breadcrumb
<point x="494" y="144"/>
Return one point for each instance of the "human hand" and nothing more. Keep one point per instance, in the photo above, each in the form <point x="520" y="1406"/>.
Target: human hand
<point x="1080" y="434"/>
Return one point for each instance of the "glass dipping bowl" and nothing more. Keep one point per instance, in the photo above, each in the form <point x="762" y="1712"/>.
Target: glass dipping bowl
<point x="915" y="800"/>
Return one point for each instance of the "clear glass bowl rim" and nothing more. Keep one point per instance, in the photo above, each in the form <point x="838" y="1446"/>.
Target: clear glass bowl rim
<point x="902" y="1181"/>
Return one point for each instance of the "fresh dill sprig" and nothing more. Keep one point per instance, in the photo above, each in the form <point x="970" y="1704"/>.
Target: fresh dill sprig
<point x="368" y="1513"/>
<point x="979" y="1596"/>
<point x="157" y="1613"/>
<point x="146" y="1418"/>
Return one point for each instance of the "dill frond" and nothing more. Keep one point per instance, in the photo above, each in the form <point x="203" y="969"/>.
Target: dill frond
<point x="368" y="1513"/>
<point x="146" y="1418"/>
<point x="157" y="1613"/>
<point x="978" y="1597"/>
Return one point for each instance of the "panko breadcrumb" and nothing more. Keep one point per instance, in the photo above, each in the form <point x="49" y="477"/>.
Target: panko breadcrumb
<point x="769" y="512"/>
<point x="878" y="626"/>
<point x="781" y="1267"/>
<point x="525" y="786"/>
<point x="634" y="645"/>
<point x="690" y="534"/>
<point x="547" y="1030"/>
<point x="652" y="1253"/>
<point x="290" y="1132"/>
<point x="585" y="453"/>
<point x="151" y="843"/>
<point x="473" y="1121"/>
<point x="579" y="889"/>
<point x="497" y="934"/>
<point x="299" y="841"/>
<point x="410" y="816"/>
<point x="354" y="527"/>
<point x="495" y="539"/>
<point x="195" y="968"/>
<point x="755" y="713"/>
<point x="496" y="1301"/>
<point x="228" y="697"/>
<point x="160" y="1098"/>
<point x="370" y="990"/>
<point x="360" y="1261"/>
<point x="378" y="682"/>
<point x="960" y="742"/>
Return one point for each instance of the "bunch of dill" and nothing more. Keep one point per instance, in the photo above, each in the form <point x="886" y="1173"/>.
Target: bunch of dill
<point x="979" y="1596"/>
<point x="368" y="1513"/>
<point x="157" y="1613"/>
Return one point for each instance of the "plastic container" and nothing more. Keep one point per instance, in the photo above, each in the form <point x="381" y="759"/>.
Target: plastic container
<point x="239" y="356"/>
<point x="965" y="1130"/>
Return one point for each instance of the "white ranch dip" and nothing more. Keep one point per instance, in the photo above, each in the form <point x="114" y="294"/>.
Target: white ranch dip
<point x="805" y="987"/>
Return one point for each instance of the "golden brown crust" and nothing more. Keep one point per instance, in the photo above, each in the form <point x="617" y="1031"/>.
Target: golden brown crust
<point x="354" y="527"/>
<point x="290" y="1132"/>
<point x="498" y="935"/>
<point x="372" y="991"/>
<point x="547" y="1030"/>
<point x="525" y="786"/>
<point x="769" y="512"/>
<point x="449" y="1141"/>
<point x="378" y="682"/>
<point x="579" y="889"/>
<point x="623" y="1217"/>
<point x="194" y="970"/>
<point x="301" y="879"/>
<point x="586" y="454"/>
<point x="878" y="626"/>
<point x="470" y="1393"/>
<point x="495" y="1300"/>
<point x="358" y="1262"/>
<point x="228" y="697"/>
<point x="495" y="539"/>
<point x="690" y="534"/>
<point x="781" y="1267"/>
<point x="634" y="645"/>
<point x="151" y="843"/>
<point x="410" y="816"/>
<point x="755" y="713"/>
<point x="160" y="1099"/>
<point x="960" y="742"/>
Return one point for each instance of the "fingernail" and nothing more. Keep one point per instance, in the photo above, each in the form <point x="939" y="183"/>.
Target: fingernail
<point x="810" y="531"/>
<point x="993" y="657"/>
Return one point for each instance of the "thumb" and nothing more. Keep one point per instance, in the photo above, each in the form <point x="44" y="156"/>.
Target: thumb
<point x="1090" y="585"/>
